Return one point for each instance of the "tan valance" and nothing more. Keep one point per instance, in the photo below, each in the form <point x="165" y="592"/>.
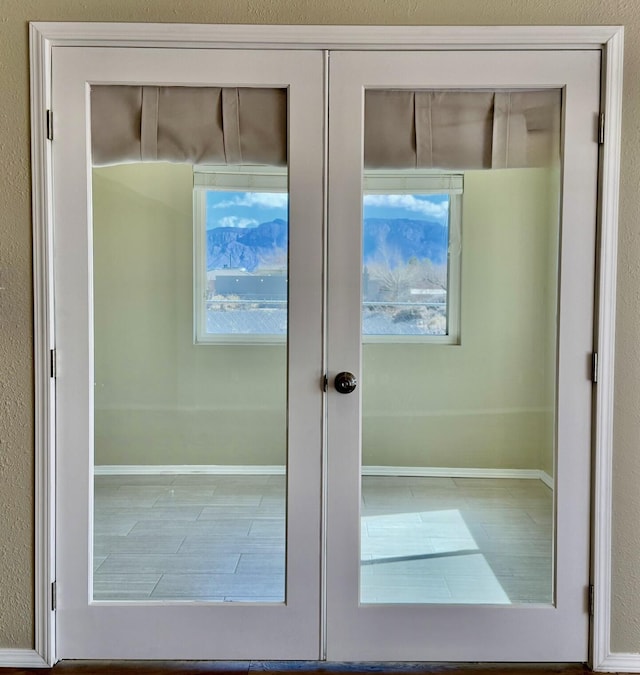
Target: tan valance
<point x="460" y="129"/>
<point x="198" y="125"/>
<point x="403" y="129"/>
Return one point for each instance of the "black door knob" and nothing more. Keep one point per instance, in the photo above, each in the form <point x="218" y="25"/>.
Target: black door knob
<point x="345" y="382"/>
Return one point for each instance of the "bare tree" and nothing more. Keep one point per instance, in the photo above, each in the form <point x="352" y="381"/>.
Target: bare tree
<point x="432" y="275"/>
<point x="395" y="277"/>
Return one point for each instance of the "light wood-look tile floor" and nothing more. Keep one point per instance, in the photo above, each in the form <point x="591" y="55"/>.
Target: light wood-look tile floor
<point x="222" y="538"/>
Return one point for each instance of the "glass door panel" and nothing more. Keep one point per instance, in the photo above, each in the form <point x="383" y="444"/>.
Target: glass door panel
<point x="190" y="446"/>
<point x="458" y="439"/>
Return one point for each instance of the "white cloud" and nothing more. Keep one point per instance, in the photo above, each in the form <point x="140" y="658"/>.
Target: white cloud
<point x="269" y="200"/>
<point x="425" y="207"/>
<point x="234" y="221"/>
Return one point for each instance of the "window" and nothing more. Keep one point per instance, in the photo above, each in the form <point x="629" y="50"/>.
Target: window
<point x="240" y="255"/>
<point x="411" y="255"/>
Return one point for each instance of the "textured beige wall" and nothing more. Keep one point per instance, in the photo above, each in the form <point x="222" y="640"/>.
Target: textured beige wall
<point x="16" y="386"/>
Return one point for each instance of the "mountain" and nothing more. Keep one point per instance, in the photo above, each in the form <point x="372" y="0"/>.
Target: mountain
<point x="404" y="238"/>
<point x="394" y="239"/>
<point x="236" y="247"/>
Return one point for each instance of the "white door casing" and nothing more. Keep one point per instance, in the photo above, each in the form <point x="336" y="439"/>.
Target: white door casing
<point x="46" y="36"/>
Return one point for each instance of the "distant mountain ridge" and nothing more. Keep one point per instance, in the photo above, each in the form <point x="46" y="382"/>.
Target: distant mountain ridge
<point x="398" y="238"/>
<point x="246" y="247"/>
<point x="406" y="238"/>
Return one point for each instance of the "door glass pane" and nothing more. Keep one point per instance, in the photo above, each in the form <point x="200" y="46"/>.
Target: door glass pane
<point x="458" y="400"/>
<point x="190" y="434"/>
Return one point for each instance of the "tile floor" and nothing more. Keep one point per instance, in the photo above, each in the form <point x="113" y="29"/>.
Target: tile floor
<point x="221" y="538"/>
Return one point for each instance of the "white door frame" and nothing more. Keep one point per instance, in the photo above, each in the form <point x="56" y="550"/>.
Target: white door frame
<point x="44" y="36"/>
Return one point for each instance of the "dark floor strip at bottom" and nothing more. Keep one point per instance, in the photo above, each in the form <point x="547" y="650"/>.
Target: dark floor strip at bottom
<point x="304" y="667"/>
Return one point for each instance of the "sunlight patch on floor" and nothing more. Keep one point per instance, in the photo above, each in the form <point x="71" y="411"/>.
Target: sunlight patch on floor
<point x="424" y="557"/>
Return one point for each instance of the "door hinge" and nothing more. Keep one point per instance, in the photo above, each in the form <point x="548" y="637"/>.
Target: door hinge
<point x="50" y="124"/>
<point x="325" y="382"/>
<point x="594" y="367"/>
<point x="54" y="595"/>
<point x="53" y="366"/>
<point x="591" y="599"/>
<point x="601" y="129"/>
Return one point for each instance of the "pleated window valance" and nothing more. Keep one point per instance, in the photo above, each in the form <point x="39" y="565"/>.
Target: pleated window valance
<point x="403" y="129"/>
<point x="461" y="130"/>
<point x="197" y="125"/>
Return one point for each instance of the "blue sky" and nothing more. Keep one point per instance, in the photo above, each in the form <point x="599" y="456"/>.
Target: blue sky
<point x="248" y="209"/>
<point x="417" y="207"/>
<point x="244" y="209"/>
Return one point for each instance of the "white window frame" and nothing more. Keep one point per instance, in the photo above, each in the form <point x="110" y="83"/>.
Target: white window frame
<point x="258" y="179"/>
<point x="428" y="183"/>
<point x="273" y="179"/>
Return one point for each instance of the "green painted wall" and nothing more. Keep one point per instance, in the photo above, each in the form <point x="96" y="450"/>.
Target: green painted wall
<point x="483" y="403"/>
<point x="160" y="399"/>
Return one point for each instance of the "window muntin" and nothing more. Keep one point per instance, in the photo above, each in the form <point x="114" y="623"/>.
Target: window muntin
<point x="411" y="255"/>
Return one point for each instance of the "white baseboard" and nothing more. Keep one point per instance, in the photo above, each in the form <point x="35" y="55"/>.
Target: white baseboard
<point x="547" y="479"/>
<point x="180" y="469"/>
<point x="618" y="662"/>
<point x="278" y="470"/>
<point x="21" y="658"/>
<point x="453" y="472"/>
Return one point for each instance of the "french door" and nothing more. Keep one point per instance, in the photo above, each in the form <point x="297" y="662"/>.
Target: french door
<point x="425" y="394"/>
<point x="104" y="373"/>
<point x="414" y="571"/>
